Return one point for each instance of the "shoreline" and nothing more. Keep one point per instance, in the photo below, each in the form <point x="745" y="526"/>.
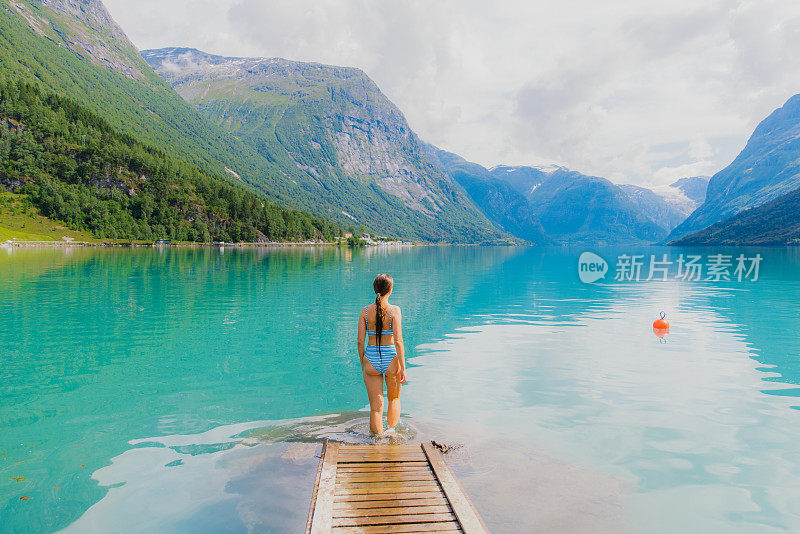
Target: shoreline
<point x="88" y="244"/>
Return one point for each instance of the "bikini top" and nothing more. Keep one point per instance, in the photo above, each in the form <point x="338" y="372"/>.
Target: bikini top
<point x="383" y="332"/>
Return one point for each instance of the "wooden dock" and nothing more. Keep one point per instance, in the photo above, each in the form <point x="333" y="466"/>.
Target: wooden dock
<point x="388" y="489"/>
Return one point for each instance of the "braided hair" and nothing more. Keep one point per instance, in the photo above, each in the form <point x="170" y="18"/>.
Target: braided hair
<point x="382" y="286"/>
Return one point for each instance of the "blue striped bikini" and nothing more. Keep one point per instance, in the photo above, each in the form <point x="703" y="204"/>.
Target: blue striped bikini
<point x="380" y="356"/>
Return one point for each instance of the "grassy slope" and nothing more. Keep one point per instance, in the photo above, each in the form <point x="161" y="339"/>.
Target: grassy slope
<point x="21" y="221"/>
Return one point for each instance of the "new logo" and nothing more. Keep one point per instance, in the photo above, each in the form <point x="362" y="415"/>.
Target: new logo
<point x="591" y="267"/>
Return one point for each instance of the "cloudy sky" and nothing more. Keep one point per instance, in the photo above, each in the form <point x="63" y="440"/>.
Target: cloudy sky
<point x="635" y="91"/>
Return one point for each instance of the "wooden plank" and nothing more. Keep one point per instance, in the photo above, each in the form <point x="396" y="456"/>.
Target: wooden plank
<point x="389" y="489"/>
<point x="378" y="457"/>
<point x="370" y="448"/>
<point x="384" y="473"/>
<point x="378" y="479"/>
<point x="428" y="501"/>
<point x="381" y="452"/>
<point x="378" y="487"/>
<point x="390" y="485"/>
<point x="377" y="448"/>
<point x="383" y="477"/>
<point x="384" y="466"/>
<point x="393" y="510"/>
<point x="351" y="497"/>
<point x="404" y="467"/>
<point x="392" y="519"/>
<point x="468" y="517"/>
<point x="410" y="463"/>
<point x="361" y="489"/>
<point x="444" y="527"/>
<point x="321" y="523"/>
<point x="377" y="460"/>
<point x="378" y="484"/>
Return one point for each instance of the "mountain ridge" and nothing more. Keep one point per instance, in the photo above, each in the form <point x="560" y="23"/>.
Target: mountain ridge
<point x="332" y="133"/>
<point x="767" y="168"/>
<point x="774" y="223"/>
<point x="73" y="48"/>
<point x="501" y="203"/>
<point x="96" y="37"/>
<point x="575" y="208"/>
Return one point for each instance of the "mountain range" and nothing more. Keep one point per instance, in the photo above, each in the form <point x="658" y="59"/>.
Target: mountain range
<point x="575" y="208"/>
<point x="325" y="140"/>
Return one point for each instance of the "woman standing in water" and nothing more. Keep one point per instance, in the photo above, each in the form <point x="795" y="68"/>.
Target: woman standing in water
<point x="384" y="356"/>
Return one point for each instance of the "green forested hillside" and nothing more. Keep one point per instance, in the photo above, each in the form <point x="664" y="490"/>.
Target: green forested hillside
<point x="146" y="108"/>
<point x="78" y="169"/>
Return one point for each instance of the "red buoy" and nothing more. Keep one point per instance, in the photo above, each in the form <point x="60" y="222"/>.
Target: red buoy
<point x="661" y="326"/>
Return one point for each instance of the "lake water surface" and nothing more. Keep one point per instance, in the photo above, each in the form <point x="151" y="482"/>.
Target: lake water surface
<point x="188" y="390"/>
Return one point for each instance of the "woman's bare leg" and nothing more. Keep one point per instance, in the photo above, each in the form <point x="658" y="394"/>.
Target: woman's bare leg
<point x="374" y="382"/>
<point x="393" y="392"/>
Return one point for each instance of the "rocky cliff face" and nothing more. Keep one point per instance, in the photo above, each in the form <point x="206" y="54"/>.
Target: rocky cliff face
<point x="334" y="134"/>
<point x="767" y="168"/>
<point x="86" y="28"/>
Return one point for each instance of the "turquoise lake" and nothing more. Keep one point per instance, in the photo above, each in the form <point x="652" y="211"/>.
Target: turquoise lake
<point x="188" y="390"/>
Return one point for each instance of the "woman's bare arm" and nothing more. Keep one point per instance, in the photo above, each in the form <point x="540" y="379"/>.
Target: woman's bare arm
<point x="397" y="329"/>
<point x="362" y="333"/>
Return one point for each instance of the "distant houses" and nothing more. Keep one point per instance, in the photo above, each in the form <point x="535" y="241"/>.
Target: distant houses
<point x="367" y="239"/>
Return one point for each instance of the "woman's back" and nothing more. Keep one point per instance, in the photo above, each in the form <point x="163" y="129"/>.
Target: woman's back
<point x="387" y="334"/>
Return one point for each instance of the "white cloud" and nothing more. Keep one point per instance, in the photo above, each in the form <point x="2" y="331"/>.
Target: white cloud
<point x="700" y="149"/>
<point x="601" y="87"/>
